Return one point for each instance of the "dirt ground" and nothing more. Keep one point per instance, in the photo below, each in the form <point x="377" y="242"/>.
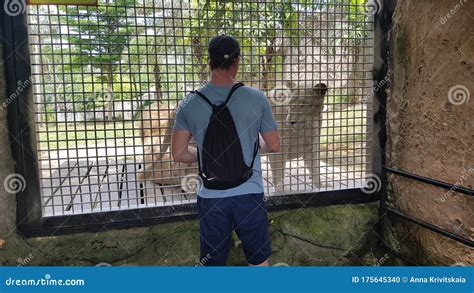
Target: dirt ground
<point x="430" y="129"/>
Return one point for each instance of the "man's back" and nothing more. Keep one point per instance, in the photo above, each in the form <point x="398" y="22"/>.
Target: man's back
<point x="251" y="113"/>
<point x="241" y="208"/>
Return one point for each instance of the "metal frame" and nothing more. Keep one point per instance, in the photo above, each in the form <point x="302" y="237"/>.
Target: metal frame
<point x="382" y="22"/>
<point x="431" y="181"/>
<point x="431" y="227"/>
<point x="23" y="139"/>
<point x="143" y="217"/>
<point x="14" y="39"/>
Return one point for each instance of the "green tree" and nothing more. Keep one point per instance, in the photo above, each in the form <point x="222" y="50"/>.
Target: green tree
<point x="98" y="37"/>
<point x="255" y="23"/>
<point x="357" y="35"/>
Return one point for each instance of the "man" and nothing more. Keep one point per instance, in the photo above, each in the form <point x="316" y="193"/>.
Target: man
<point x="240" y="208"/>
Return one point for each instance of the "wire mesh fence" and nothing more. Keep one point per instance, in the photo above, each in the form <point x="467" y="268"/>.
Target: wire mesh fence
<point x="107" y="80"/>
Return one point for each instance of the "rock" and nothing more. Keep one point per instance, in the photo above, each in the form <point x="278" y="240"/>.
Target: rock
<point x="424" y="138"/>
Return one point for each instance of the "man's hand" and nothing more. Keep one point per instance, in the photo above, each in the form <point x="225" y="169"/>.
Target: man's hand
<point x="180" y="148"/>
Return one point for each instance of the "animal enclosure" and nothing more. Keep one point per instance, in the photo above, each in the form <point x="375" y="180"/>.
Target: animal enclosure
<point x="106" y="82"/>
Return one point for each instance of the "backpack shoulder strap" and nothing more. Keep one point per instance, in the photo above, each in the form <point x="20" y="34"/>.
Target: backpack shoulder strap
<point x="236" y="86"/>
<point x="199" y="159"/>
<point x="255" y="151"/>
<point x="203" y="97"/>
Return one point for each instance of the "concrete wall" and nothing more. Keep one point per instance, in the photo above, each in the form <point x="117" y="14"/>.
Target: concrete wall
<point x="430" y="132"/>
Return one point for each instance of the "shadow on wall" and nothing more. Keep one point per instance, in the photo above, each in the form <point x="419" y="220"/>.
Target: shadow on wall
<point x="7" y="200"/>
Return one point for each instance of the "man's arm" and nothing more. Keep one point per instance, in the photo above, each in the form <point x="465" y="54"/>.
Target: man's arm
<point x="180" y="148"/>
<point x="270" y="141"/>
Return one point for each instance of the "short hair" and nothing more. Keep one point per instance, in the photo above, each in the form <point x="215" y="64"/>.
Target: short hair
<point x="220" y="63"/>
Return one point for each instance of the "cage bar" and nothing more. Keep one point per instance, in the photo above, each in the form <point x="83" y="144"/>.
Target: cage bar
<point x="107" y="80"/>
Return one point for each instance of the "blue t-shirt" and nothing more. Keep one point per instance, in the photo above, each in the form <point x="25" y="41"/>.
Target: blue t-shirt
<point x="252" y="114"/>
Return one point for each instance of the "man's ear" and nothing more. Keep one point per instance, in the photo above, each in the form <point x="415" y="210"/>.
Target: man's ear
<point x="236" y="62"/>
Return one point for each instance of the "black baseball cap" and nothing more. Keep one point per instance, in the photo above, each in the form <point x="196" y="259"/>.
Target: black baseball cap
<point x="224" y="47"/>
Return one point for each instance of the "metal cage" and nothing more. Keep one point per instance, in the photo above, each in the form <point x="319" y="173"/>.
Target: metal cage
<point x="106" y="81"/>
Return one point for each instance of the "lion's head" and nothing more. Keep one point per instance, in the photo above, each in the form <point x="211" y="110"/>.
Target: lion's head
<point x="295" y="107"/>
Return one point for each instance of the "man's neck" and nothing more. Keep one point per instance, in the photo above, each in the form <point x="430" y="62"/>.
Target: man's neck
<point x="221" y="78"/>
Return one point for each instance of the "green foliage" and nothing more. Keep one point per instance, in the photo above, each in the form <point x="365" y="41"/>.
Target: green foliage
<point x="255" y="24"/>
<point x="98" y="37"/>
<point x="356" y="12"/>
<point x="106" y="51"/>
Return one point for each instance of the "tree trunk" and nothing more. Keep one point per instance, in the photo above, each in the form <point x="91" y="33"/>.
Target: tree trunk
<point x="158" y="88"/>
<point x="109" y="94"/>
<point x="266" y="64"/>
<point x="198" y="51"/>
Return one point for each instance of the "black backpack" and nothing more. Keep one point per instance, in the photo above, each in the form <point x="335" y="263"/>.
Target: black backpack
<point x="223" y="164"/>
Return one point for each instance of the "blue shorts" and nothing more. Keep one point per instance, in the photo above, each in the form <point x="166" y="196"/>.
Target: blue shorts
<point x="218" y="217"/>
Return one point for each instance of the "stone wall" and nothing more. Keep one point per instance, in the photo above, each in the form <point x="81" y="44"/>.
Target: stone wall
<point x="430" y="129"/>
<point x="337" y="235"/>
